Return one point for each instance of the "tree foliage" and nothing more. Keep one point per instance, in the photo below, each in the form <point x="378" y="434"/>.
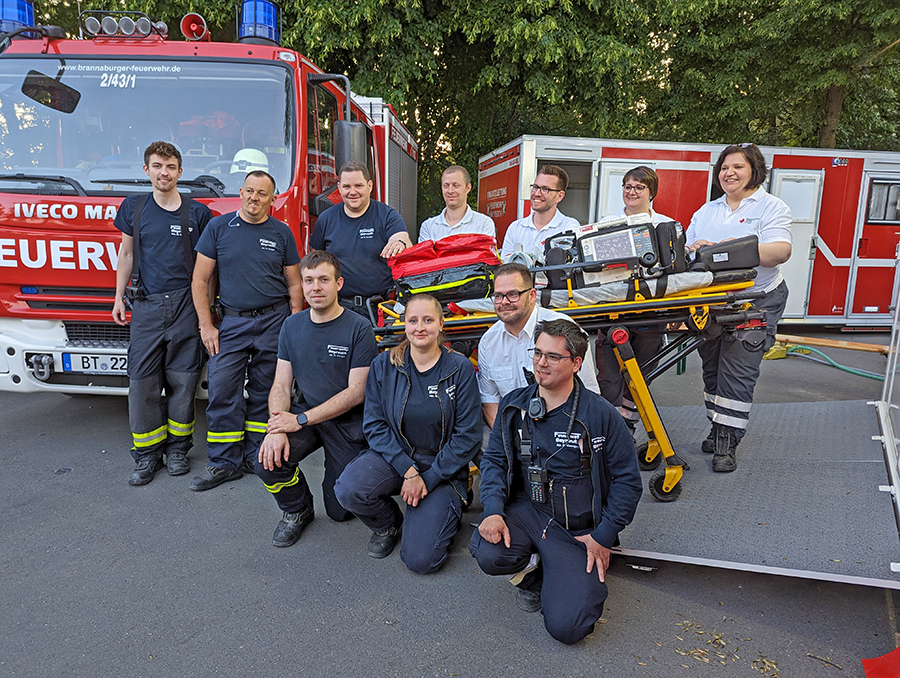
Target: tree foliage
<point x="469" y="76"/>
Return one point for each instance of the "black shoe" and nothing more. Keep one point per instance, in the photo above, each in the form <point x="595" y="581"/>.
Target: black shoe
<point x="248" y="468"/>
<point x="724" y="456"/>
<point x="288" y="531"/>
<point x="382" y="543"/>
<point x="177" y="463"/>
<point x="529" y="601"/>
<point x="709" y="445"/>
<point x="144" y="470"/>
<point x="213" y="477"/>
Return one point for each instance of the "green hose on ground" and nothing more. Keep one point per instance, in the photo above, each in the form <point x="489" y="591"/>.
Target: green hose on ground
<point x="797" y="351"/>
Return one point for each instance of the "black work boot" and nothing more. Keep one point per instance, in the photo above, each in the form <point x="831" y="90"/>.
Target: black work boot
<point x="288" y="531"/>
<point x="709" y="445"/>
<point x="144" y="470"/>
<point x="726" y="442"/>
<point x="177" y="463"/>
<point x="382" y="543"/>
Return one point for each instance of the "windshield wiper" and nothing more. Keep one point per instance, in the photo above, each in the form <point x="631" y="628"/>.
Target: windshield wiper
<point x="203" y="181"/>
<point x="57" y="179"/>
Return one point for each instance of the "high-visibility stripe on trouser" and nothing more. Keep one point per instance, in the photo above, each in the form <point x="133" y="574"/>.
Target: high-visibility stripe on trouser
<point x="277" y="487"/>
<point x="178" y="429"/>
<point x="149" y="439"/>
<point x="224" y="436"/>
<point x="255" y="426"/>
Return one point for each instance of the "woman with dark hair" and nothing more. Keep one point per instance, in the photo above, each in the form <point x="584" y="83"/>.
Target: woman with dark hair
<point x="730" y="370"/>
<point x="639" y="187"/>
<point x="422" y="421"/>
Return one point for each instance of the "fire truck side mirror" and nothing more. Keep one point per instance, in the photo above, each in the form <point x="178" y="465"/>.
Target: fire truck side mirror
<point x="350" y="143"/>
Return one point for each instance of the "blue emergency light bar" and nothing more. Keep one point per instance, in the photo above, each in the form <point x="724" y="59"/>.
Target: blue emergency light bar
<point x="15" y="14"/>
<point x="259" y="22"/>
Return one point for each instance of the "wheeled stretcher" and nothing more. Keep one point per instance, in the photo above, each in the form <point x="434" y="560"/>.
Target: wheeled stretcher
<point x="724" y="306"/>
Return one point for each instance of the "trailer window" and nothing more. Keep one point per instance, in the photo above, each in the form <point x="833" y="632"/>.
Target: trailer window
<point x="321" y="112"/>
<point x="884" y="202"/>
<point x="226" y="119"/>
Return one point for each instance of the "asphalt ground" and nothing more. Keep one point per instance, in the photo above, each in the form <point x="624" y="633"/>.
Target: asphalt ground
<point x="98" y="578"/>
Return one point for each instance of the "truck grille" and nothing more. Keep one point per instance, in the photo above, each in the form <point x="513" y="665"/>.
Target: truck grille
<point x="97" y="335"/>
<point x="38" y="300"/>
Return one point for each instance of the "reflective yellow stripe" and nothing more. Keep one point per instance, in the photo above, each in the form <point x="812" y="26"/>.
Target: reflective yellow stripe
<point x="255" y="426"/>
<point x="224" y="436"/>
<point x="178" y="429"/>
<point x="150" y="439"/>
<point x="277" y="487"/>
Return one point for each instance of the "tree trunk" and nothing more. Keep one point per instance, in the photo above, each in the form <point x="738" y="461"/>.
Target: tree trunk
<point x="834" y="102"/>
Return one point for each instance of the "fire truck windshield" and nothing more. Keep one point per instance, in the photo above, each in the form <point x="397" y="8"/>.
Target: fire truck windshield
<point x="91" y="128"/>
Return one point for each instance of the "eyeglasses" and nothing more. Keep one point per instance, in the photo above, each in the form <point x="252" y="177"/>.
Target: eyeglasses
<point x="543" y="190"/>
<point x="745" y="145"/>
<point x="551" y="358"/>
<point x="637" y="188"/>
<point x="511" y="296"/>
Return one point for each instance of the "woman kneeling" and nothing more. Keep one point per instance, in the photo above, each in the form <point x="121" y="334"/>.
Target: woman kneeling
<point x="423" y="425"/>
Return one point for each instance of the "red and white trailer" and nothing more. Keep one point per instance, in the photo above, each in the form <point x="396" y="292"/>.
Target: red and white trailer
<point x="845" y="205"/>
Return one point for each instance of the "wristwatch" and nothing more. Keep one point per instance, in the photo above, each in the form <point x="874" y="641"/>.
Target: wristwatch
<point x="302" y="419"/>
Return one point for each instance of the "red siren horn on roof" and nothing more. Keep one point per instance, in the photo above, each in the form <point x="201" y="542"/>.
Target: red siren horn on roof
<point x="193" y="27"/>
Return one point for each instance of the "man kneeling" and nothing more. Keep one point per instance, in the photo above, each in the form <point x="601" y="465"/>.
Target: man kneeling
<point x="559" y="481"/>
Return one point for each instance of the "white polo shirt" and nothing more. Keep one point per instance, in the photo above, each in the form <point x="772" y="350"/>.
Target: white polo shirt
<point x="760" y="214"/>
<point x="501" y="357"/>
<point x="437" y="227"/>
<point x="524" y="231"/>
<point x="655" y="217"/>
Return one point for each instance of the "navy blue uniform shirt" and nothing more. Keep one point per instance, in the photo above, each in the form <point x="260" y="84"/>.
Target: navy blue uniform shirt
<point x="357" y="243"/>
<point x="162" y="266"/>
<point x="251" y="260"/>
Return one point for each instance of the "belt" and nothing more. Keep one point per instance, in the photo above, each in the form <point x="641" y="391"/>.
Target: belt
<point x="256" y="311"/>
<point x="356" y="300"/>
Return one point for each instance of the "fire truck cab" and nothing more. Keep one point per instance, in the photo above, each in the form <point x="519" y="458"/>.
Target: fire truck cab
<point x="75" y="118"/>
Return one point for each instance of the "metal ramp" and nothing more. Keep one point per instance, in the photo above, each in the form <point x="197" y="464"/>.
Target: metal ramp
<point x="805" y="500"/>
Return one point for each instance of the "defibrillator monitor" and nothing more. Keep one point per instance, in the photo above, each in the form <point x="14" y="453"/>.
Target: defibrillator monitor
<point x="617" y="249"/>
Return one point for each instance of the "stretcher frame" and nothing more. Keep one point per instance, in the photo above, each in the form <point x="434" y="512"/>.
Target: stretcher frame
<point x="701" y="314"/>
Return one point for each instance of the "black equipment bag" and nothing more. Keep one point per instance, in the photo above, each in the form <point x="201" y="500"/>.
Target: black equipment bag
<point x="728" y="255"/>
<point x="475" y="281"/>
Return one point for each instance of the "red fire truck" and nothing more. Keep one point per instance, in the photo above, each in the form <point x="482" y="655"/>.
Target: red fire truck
<point x="845" y="204"/>
<point x="75" y="116"/>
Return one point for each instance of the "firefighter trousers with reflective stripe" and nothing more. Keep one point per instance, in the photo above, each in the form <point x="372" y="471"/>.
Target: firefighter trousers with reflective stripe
<point x="367" y="487"/>
<point x="341" y="439"/>
<point x="572" y="598"/>
<point x="248" y="348"/>
<point x="165" y="354"/>
<point x="646" y="344"/>
<point x="730" y="370"/>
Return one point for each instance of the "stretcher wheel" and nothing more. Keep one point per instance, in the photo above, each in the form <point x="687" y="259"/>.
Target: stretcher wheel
<point x="642" y="462"/>
<point x="656" y="488"/>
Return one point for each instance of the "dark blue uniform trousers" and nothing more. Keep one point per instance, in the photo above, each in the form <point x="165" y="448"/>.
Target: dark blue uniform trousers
<point x="367" y="487"/>
<point x="730" y="369"/>
<point x="342" y="439"/>
<point x="572" y="598"/>
<point x="248" y="347"/>
<point x="165" y="352"/>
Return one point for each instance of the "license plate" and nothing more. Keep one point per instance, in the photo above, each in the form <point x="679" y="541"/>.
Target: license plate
<point x="94" y="363"/>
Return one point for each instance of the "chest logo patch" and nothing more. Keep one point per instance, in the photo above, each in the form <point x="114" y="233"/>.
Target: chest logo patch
<point x="175" y="229"/>
<point x="335" y="351"/>
<point x="366" y="233"/>
<point x="267" y="245"/>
